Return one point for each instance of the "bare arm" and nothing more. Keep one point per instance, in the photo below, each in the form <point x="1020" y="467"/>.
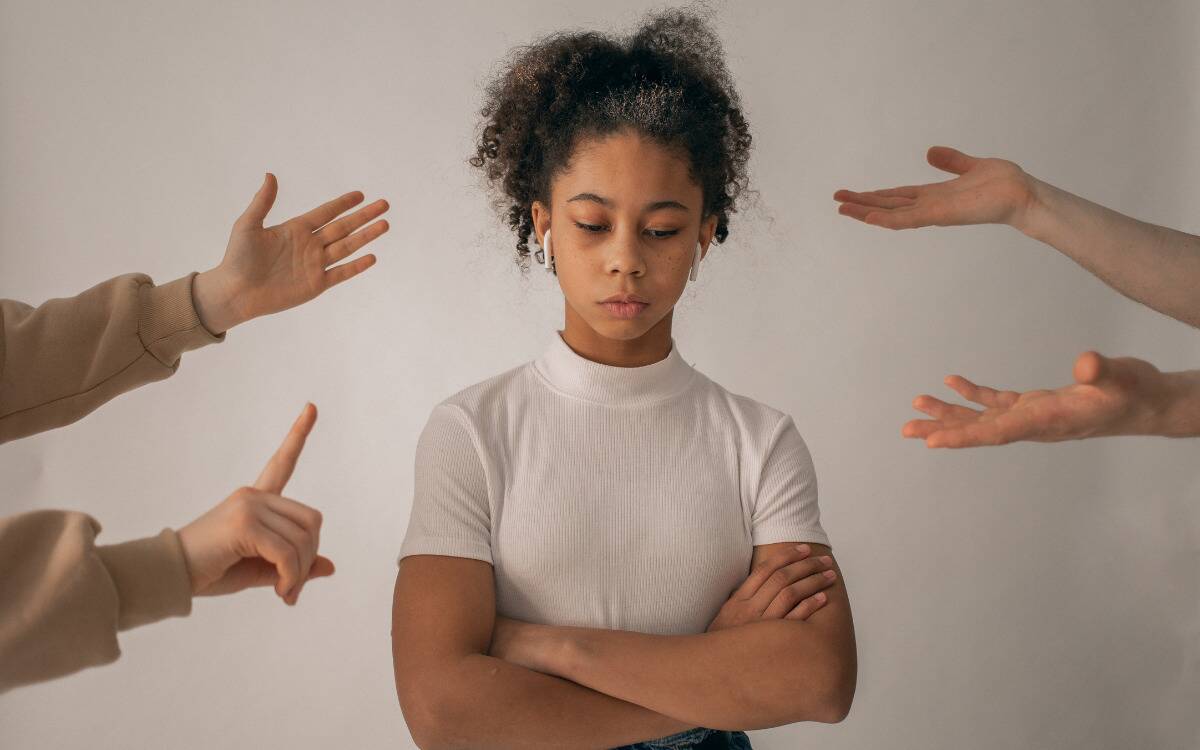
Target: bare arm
<point x="453" y="695"/>
<point x="1151" y="264"/>
<point x="755" y="675"/>
<point x="1154" y="265"/>
<point x="1110" y="396"/>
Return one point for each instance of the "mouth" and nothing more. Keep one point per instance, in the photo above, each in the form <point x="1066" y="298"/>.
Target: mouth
<point x="624" y="310"/>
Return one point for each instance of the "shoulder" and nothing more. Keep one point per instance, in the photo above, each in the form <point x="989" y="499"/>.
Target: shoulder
<point x="754" y="419"/>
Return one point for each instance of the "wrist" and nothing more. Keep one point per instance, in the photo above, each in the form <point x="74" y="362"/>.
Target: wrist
<point x="1034" y="209"/>
<point x="1177" y="405"/>
<point x="550" y="649"/>
<point x="214" y="296"/>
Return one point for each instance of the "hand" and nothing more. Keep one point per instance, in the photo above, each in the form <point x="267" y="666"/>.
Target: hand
<point x="268" y="270"/>
<point x="987" y="191"/>
<point x="1117" y="396"/>
<point x="257" y="537"/>
<point x="788" y="586"/>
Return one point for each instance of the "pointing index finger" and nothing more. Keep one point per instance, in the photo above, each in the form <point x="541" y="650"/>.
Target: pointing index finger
<point x="279" y="468"/>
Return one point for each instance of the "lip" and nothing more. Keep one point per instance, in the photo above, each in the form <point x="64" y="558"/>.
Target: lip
<point x="625" y="310"/>
<point x="625" y="298"/>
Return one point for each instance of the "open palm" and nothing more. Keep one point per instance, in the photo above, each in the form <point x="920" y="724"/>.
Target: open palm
<point x="270" y="269"/>
<point x="986" y="191"/>
<point x="1109" y="397"/>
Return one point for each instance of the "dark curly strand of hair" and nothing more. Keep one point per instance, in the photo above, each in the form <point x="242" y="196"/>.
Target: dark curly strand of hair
<point x="667" y="80"/>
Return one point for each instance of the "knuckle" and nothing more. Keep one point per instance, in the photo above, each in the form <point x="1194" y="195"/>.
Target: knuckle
<point x="779" y="578"/>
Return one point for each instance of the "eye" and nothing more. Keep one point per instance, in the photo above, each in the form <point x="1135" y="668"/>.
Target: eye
<point x="589" y="227"/>
<point x="660" y="234"/>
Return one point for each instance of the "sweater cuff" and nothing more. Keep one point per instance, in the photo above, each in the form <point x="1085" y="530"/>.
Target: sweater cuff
<point x="151" y="577"/>
<point x="169" y="324"/>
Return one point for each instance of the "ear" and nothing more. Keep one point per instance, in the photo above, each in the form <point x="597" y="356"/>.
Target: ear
<point x="708" y="228"/>
<point x="541" y="220"/>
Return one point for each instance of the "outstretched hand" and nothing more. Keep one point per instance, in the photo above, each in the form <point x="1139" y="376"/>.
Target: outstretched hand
<point x="1110" y="396"/>
<point x="986" y="191"/>
<point x="257" y="537"/>
<point x="267" y="270"/>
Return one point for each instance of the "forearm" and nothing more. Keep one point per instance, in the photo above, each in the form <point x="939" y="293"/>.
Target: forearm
<point x="488" y="702"/>
<point x="63" y="599"/>
<point x="63" y="359"/>
<point x="1154" y="265"/>
<point x="761" y="674"/>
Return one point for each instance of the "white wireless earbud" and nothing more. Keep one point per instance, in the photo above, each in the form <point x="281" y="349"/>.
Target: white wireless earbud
<point x="547" y="253"/>
<point x="695" y="264"/>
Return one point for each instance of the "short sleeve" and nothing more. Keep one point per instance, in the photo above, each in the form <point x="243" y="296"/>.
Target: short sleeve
<point x="785" y="505"/>
<point x="450" y="512"/>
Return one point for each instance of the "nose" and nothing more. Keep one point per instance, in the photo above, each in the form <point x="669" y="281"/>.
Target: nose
<point x="625" y="255"/>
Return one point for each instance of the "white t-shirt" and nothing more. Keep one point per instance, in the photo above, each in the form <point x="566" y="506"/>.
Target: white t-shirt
<point x="625" y="498"/>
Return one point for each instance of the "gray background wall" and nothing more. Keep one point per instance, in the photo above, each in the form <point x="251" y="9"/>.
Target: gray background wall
<point x="1025" y="596"/>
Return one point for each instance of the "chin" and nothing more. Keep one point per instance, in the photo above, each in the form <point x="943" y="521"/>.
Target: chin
<point x="623" y="330"/>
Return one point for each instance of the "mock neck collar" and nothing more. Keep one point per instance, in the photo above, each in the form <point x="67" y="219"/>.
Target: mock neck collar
<point x="580" y="377"/>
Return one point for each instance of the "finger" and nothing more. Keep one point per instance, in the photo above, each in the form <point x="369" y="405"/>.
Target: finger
<point x="1090" y="367"/>
<point x="981" y="394"/>
<point x="785" y="577"/>
<point x="300" y="540"/>
<point x="973" y="435"/>
<point x="939" y="409"/>
<point x="346" y="271"/>
<point x="279" y="552"/>
<point x="913" y="217"/>
<point x="260" y="204"/>
<point x="872" y="199"/>
<point x="279" y="468"/>
<point x="335" y="230"/>
<point x="310" y="519"/>
<point x="911" y="192"/>
<point x="950" y="159"/>
<point x="804" y="609"/>
<point x="766" y="567"/>
<point x="921" y="428"/>
<point x="347" y="247"/>
<point x="322" y="567"/>
<point x="791" y="596"/>
<point x="326" y="212"/>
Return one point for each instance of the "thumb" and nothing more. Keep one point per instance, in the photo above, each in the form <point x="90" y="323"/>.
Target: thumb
<point x="950" y="159"/>
<point x="321" y="568"/>
<point x="260" y="204"/>
<point x="1091" y="367"/>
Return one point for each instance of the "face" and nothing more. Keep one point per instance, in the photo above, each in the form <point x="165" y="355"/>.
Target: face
<point x="625" y="218"/>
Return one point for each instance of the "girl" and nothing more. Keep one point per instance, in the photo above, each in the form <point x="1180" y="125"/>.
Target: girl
<point x="605" y="546"/>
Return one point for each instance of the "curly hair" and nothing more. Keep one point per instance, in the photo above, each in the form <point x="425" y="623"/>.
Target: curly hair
<point x="666" y="80"/>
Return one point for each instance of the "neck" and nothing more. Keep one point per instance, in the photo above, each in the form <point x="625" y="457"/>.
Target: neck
<point x="652" y="346"/>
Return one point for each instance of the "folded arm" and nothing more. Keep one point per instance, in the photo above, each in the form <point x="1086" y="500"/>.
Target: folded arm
<point x="453" y="695"/>
<point x="752" y="676"/>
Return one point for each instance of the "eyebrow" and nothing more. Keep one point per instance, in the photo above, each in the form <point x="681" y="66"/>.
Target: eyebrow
<point x="654" y="206"/>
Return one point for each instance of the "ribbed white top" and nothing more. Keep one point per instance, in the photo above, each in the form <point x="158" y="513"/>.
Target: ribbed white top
<point x="614" y="497"/>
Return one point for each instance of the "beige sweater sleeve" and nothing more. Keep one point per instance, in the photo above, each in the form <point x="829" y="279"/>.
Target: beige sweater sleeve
<point x="63" y="599"/>
<point x="64" y="358"/>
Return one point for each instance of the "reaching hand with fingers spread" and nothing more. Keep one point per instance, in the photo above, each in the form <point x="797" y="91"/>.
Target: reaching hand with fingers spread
<point x="986" y="191"/>
<point x="1110" y="396"/>
<point x="257" y="537"/>
<point x="266" y="270"/>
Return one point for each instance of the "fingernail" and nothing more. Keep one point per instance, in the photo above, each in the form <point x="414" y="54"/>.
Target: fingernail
<point x="830" y="574"/>
<point x="820" y="597"/>
<point x="826" y="559"/>
<point x="802" y="547"/>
